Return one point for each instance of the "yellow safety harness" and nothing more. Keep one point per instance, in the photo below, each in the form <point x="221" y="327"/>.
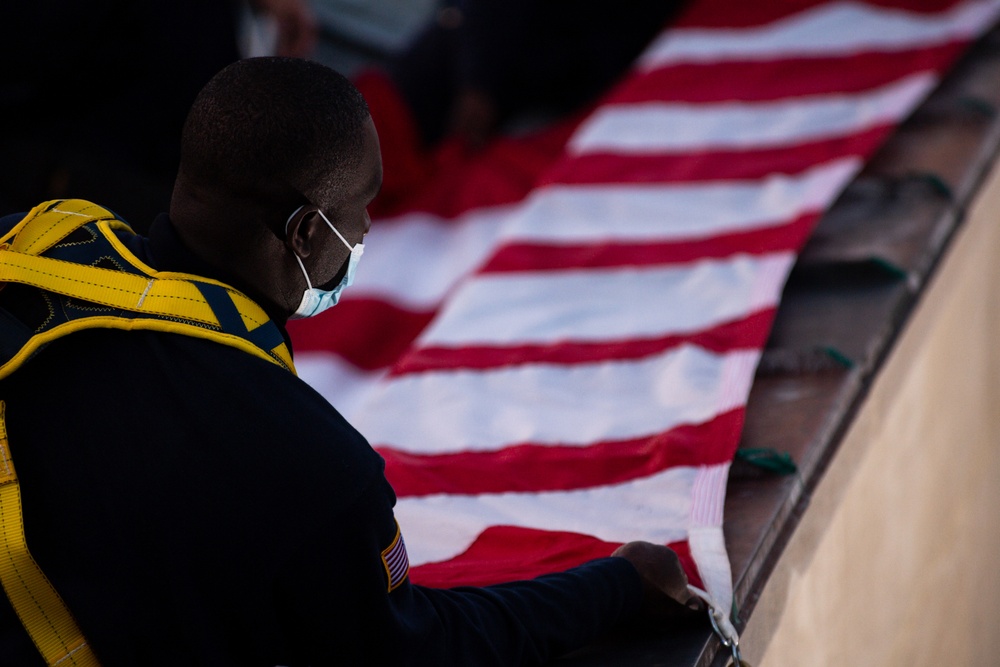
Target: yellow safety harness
<point x="74" y="272"/>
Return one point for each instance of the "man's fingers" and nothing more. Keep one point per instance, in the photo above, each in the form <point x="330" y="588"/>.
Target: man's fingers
<point x="660" y="569"/>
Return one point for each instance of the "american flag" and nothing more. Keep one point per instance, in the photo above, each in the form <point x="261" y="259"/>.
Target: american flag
<point x="395" y="561"/>
<point x="552" y="346"/>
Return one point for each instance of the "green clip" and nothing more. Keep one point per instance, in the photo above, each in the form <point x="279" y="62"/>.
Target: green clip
<point x="890" y="268"/>
<point x="780" y="463"/>
<point x="838" y="356"/>
<point x="937" y="183"/>
<point x="978" y="104"/>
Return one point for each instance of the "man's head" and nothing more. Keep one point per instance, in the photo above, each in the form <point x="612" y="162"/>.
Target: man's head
<point x="267" y="137"/>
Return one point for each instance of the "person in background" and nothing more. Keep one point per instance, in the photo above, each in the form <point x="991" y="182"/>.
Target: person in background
<point x="479" y="68"/>
<point x="94" y="93"/>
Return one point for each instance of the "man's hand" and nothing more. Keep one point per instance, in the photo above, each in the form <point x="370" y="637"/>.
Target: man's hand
<point x="663" y="579"/>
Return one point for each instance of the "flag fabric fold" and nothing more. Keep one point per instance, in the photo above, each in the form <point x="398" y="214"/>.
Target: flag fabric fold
<point x="564" y="366"/>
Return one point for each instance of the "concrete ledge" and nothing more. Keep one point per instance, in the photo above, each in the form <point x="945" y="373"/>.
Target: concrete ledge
<point x="894" y="563"/>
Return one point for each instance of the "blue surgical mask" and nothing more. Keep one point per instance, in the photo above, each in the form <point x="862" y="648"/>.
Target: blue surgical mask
<point x="316" y="300"/>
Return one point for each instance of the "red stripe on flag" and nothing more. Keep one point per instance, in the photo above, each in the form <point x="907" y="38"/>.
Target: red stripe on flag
<point x="747" y="333"/>
<point x="536" y="468"/>
<point x="729" y="14"/>
<point x="544" y="257"/>
<point x="506" y="553"/>
<point x="712" y="165"/>
<point x="503" y="173"/>
<point x="765" y="80"/>
<point x="369" y="333"/>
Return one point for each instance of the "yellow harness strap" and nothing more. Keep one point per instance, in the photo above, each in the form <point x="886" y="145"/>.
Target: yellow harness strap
<point x="59" y="219"/>
<point x="178" y="297"/>
<point x="117" y="289"/>
<point x="164" y="301"/>
<point x="42" y="612"/>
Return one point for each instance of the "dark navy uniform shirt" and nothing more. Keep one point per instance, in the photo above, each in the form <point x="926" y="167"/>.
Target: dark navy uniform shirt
<point x="195" y="505"/>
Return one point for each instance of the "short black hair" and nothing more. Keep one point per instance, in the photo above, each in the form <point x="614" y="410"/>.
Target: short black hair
<point x="278" y="131"/>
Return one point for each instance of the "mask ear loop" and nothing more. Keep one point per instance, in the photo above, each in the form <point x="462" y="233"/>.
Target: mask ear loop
<point x="304" y="272"/>
<point x="335" y="231"/>
<point x="294" y="254"/>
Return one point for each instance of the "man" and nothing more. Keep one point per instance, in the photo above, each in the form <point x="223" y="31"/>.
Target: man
<point x="189" y="498"/>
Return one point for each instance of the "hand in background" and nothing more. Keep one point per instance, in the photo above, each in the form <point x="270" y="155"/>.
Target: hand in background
<point x="473" y="117"/>
<point x="297" y="28"/>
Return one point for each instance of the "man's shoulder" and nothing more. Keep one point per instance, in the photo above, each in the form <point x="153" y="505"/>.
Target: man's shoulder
<point x="188" y="399"/>
<point x="163" y="373"/>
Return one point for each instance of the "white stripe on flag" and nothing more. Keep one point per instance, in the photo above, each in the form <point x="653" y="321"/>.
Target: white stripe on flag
<point x="447" y="249"/>
<point x="344" y="385"/>
<point x="835" y="29"/>
<point x="462" y="410"/>
<point x="655" y="508"/>
<point x="738" y="375"/>
<point x="708" y="495"/>
<point x="671" y="211"/>
<point x="607" y="304"/>
<point x="656" y="127"/>
<point x="582" y="214"/>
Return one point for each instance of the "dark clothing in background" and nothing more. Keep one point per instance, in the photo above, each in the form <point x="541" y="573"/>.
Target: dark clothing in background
<point x="530" y="56"/>
<point x="94" y="93"/>
<point x="196" y="505"/>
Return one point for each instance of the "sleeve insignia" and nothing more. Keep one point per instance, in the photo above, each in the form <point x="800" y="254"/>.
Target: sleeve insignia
<point x="395" y="561"/>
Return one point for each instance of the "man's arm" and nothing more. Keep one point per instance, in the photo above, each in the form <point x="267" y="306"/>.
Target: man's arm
<point x="336" y="595"/>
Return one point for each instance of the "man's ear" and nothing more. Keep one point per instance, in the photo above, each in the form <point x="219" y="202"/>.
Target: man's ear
<point x="302" y="229"/>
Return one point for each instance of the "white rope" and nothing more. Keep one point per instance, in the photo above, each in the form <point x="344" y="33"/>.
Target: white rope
<point x="721" y="624"/>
